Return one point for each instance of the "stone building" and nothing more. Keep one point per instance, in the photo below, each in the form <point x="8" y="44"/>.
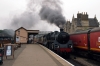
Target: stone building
<point x="24" y="36"/>
<point x="82" y="22"/>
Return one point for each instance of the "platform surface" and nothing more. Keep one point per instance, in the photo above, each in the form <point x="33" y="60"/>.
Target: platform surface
<point x="37" y="55"/>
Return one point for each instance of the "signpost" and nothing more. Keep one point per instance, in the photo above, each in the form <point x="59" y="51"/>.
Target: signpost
<point x="9" y="50"/>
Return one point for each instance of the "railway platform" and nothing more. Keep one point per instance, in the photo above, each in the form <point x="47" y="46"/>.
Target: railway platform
<point x="37" y="55"/>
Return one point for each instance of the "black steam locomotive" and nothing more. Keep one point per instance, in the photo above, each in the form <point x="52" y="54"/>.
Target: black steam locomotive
<point x="59" y="42"/>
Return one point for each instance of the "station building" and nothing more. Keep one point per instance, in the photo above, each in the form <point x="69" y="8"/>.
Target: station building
<point x="25" y="36"/>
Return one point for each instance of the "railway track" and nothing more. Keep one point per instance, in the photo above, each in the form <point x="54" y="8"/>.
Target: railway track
<point x="71" y="60"/>
<point x="81" y="61"/>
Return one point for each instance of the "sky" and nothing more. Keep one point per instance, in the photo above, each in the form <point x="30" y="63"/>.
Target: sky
<point x="10" y="8"/>
<point x="71" y="7"/>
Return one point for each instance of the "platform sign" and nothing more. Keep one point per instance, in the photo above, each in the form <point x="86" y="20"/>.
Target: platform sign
<point x="8" y="50"/>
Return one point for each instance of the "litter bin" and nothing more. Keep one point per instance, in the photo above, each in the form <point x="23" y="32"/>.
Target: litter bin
<point x="1" y="55"/>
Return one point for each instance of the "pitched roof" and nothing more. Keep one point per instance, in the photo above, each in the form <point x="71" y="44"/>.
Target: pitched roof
<point x="34" y="31"/>
<point x="20" y="28"/>
<point x="92" y="22"/>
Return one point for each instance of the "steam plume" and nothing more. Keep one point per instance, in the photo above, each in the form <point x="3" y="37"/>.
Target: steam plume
<point x="52" y="16"/>
<point x="40" y="11"/>
<point x="27" y="20"/>
<point x="51" y="11"/>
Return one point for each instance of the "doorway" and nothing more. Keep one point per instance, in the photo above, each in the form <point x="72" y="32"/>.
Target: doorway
<point x="31" y="38"/>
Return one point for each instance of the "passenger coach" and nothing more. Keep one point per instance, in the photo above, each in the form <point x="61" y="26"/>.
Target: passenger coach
<point x="87" y="43"/>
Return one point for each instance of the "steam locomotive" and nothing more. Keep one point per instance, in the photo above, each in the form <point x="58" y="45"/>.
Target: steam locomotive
<point x="87" y="43"/>
<point x="59" y="42"/>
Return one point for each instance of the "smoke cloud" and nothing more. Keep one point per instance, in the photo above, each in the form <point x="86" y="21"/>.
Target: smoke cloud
<point x="52" y="16"/>
<point x="27" y="20"/>
<point x="38" y="13"/>
<point x="52" y="12"/>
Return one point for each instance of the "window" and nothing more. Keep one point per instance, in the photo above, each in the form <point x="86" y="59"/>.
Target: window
<point x="18" y="31"/>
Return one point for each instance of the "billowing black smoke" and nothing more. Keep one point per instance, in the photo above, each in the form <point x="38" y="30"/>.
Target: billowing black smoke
<point x="52" y="16"/>
<point x="38" y="11"/>
<point x="52" y="12"/>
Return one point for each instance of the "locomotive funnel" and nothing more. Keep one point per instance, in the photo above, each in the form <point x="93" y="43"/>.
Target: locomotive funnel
<point x="61" y="30"/>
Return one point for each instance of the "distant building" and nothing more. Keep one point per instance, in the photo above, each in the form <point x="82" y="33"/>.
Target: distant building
<point x="82" y="22"/>
<point x="5" y="37"/>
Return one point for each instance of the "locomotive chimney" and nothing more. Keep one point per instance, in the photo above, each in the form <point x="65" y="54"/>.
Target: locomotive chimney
<point x="61" y="29"/>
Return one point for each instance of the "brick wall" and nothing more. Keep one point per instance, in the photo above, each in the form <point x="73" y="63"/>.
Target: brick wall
<point x="22" y="35"/>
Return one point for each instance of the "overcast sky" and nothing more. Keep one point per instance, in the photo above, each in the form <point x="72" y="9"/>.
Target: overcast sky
<point x="8" y="8"/>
